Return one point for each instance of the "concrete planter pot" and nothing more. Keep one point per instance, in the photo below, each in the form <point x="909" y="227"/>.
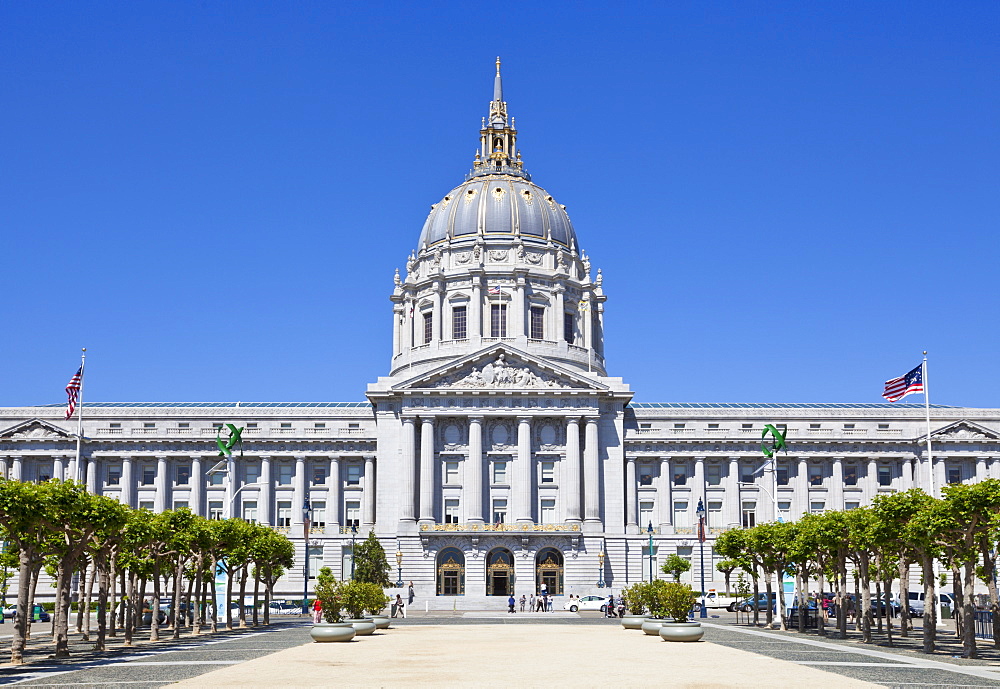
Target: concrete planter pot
<point x="363" y="626"/>
<point x="633" y="621"/>
<point x="381" y="621"/>
<point x="681" y="631"/>
<point x="332" y="631"/>
<point x="652" y="627"/>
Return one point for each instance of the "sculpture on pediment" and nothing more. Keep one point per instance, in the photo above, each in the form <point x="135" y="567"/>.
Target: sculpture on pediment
<point x="499" y="374"/>
<point x="463" y="256"/>
<point x="962" y="433"/>
<point x="35" y="432"/>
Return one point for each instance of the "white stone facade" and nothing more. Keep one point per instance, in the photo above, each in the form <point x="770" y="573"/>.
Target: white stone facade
<point x="498" y="455"/>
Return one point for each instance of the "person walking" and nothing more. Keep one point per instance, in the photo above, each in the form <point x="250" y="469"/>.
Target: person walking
<point x="531" y="602"/>
<point x="510" y="603"/>
<point x="317" y="611"/>
<point x="522" y="602"/>
<point x="410" y="594"/>
<point x="540" y="604"/>
<point x="398" y="606"/>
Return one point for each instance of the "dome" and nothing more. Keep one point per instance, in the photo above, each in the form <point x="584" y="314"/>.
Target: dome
<point x="497" y="206"/>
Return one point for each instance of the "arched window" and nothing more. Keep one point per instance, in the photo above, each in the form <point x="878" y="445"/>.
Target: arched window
<point x="499" y="572"/>
<point x="549" y="571"/>
<point x="451" y="572"/>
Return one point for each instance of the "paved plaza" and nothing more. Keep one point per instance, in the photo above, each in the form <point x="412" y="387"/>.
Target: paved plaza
<point x="523" y="650"/>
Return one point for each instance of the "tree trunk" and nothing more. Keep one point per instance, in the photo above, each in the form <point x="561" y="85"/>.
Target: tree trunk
<point x="820" y="610"/>
<point x="243" y="596"/>
<point x="101" y="565"/>
<point x="63" y="594"/>
<point x="755" y="607"/>
<point x="969" y="610"/>
<point x="229" y="596"/>
<point x="215" y="596"/>
<point x="88" y="598"/>
<point x="769" y="618"/>
<point x="81" y="594"/>
<point x="23" y="621"/>
<point x="112" y="585"/>
<point x="802" y="602"/>
<point x="268" y="586"/>
<point x="904" y="598"/>
<point x="989" y="577"/>
<point x="129" y="611"/>
<point x="256" y="593"/>
<point x="864" y="600"/>
<point x="930" y="609"/>
<point x="878" y="612"/>
<point x="958" y="609"/>
<point x="178" y="613"/>
<point x="887" y="589"/>
<point x="199" y="597"/>
<point x="154" y="621"/>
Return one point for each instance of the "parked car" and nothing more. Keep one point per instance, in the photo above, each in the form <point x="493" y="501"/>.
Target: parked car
<point x="916" y="602"/>
<point x="39" y="613"/>
<point x="762" y="603"/>
<point x="9" y="611"/>
<point x="714" y="599"/>
<point x="281" y="607"/>
<point x="586" y="603"/>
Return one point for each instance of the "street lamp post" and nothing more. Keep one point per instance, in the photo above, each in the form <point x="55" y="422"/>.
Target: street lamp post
<point x="600" y="570"/>
<point x="354" y="532"/>
<point x="399" y="567"/>
<point x="649" y="530"/>
<point x="701" y="551"/>
<point x="306" y="521"/>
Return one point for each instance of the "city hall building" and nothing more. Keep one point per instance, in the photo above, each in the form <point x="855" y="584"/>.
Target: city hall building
<point x="498" y="454"/>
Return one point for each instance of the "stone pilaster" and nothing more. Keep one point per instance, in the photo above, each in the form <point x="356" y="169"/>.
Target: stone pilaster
<point x="474" y="472"/>
<point x="426" y="469"/>
<point x="570" y="478"/>
<point x="522" y="485"/>
<point x="591" y="474"/>
<point x="368" y="511"/>
<point x="408" y="511"/>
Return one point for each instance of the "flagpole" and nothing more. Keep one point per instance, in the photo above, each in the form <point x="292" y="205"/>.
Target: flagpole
<point x="79" y="418"/>
<point x="927" y="411"/>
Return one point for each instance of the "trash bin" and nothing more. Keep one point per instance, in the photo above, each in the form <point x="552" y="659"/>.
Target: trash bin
<point x="395" y="607"/>
<point x="945" y="611"/>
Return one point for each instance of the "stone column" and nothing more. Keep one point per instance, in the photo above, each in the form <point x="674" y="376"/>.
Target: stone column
<point x="3" y="466"/>
<point x="368" y="511"/>
<point x="127" y="494"/>
<point x="436" y="332"/>
<point x="698" y="489"/>
<point x="523" y="483"/>
<point x="397" y="324"/>
<point x="74" y="473"/>
<point x="58" y="470"/>
<point x="427" y="469"/>
<point x="518" y="304"/>
<point x="591" y="474"/>
<point x="299" y="489"/>
<point x="557" y="309"/>
<point x="475" y="322"/>
<point x="265" y="497"/>
<point x="407" y="511"/>
<point x="17" y="468"/>
<point x="664" y="498"/>
<point x="92" y="478"/>
<point x="195" y="501"/>
<point x="837" y="485"/>
<point x="734" y="509"/>
<point x="588" y="323"/>
<point x="160" y="497"/>
<point x="801" y="490"/>
<point x="940" y="476"/>
<point x="631" y="496"/>
<point x="981" y="474"/>
<point x="333" y="498"/>
<point x="571" y="476"/>
<point x="907" y="468"/>
<point x="995" y="468"/>
<point x="474" y="472"/>
<point x="871" y="480"/>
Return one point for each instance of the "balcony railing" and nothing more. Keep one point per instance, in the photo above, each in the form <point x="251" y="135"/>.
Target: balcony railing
<point x="500" y="527"/>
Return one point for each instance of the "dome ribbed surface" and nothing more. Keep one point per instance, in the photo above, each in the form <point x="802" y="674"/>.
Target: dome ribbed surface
<point x="497" y="205"/>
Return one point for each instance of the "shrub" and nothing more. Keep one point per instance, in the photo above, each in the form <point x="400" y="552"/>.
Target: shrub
<point x="677" y="600"/>
<point x="359" y="596"/>
<point x="676" y="565"/>
<point x="328" y="591"/>
<point x="636" y="597"/>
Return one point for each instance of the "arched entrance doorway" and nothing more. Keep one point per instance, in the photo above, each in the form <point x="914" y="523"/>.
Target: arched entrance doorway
<point x="500" y="572"/>
<point x="549" y="571"/>
<point x="451" y="572"/>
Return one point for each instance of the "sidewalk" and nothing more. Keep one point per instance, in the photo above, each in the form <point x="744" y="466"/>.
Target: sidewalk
<point x="538" y="655"/>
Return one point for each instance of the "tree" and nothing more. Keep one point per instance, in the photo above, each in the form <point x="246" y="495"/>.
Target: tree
<point x="676" y="565"/>
<point x="727" y="567"/>
<point x="370" y="563"/>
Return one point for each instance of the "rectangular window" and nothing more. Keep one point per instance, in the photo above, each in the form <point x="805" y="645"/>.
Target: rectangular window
<point x="114" y="425"/>
<point x="713" y="474"/>
<point x="428" y="327"/>
<point x="645" y="425"/>
<point x="459" y="330"/>
<point x="548" y="469"/>
<point x="215" y="509"/>
<point x="713" y="426"/>
<point x="814" y="426"/>
<point x="848" y="426"/>
<point x="746" y="426"/>
<point x="499" y="510"/>
<point x="784" y="510"/>
<point x="319" y="425"/>
<point x="284" y="512"/>
<point x="569" y="328"/>
<point x="451" y="472"/>
<point x="148" y="476"/>
<point x="217" y="478"/>
<point x="680" y="475"/>
<point x="645" y="513"/>
<point x="315" y="560"/>
<point x="498" y="320"/>
<point x="250" y="511"/>
<point x="252" y="425"/>
<point x="354" y="425"/>
<point x="180" y="504"/>
<point x="954" y="475"/>
<point x="782" y="474"/>
<point x="815" y="476"/>
<point x="499" y="472"/>
<point x="715" y="513"/>
<point x="883" y="426"/>
<point x="885" y="476"/>
<point x="354" y="474"/>
<point x="251" y="472"/>
<point x="146" y="505"/>
<point x="217" y="426"/>
<point x="548" y="510"/>
<point x="319" y="474"/>
<point x="749" y="514"/>
<point x="149" y="424"/>
<point x="183" y="474"/>
<point x="851" y="475"/>
<point x="114" y="475"/>
<point x="352" y="508"/>
<point x="286" y="424"/>
<point x="681" y="517"/>
<point x="852" y="505"/>
<point x="451" y="511"/>
<point x="285" y="473"/>
<point x="183" y="424"/>
<point x="817" y="506"/>
<point x="679" y="426"/>
<point x="537" y="323"/>
<point x="747" y="474"/>
<point x="645" y="475"/>
<point x="318" y="513"/>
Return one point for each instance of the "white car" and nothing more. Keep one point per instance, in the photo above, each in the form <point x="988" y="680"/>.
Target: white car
<point x="586" y="603"/>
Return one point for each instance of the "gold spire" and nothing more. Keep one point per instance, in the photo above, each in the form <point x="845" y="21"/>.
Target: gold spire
<point x="498" y="65"/>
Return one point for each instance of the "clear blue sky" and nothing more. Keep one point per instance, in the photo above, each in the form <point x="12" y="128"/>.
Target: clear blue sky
<point x="790" y="200"/>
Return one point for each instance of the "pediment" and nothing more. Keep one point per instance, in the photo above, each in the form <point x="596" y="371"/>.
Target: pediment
<point x="36" y="429"/>
<point x="501" y="368"/>
<point x="964" y="430"/>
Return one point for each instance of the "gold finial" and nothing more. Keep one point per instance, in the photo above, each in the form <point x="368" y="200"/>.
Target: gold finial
<point x="498" y="65"/>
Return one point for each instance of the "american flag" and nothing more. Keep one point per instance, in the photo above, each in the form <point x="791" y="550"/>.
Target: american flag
<point x="493" y="290"/>
<point x="898" y="388"/>
<point x="73" y="390"/>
